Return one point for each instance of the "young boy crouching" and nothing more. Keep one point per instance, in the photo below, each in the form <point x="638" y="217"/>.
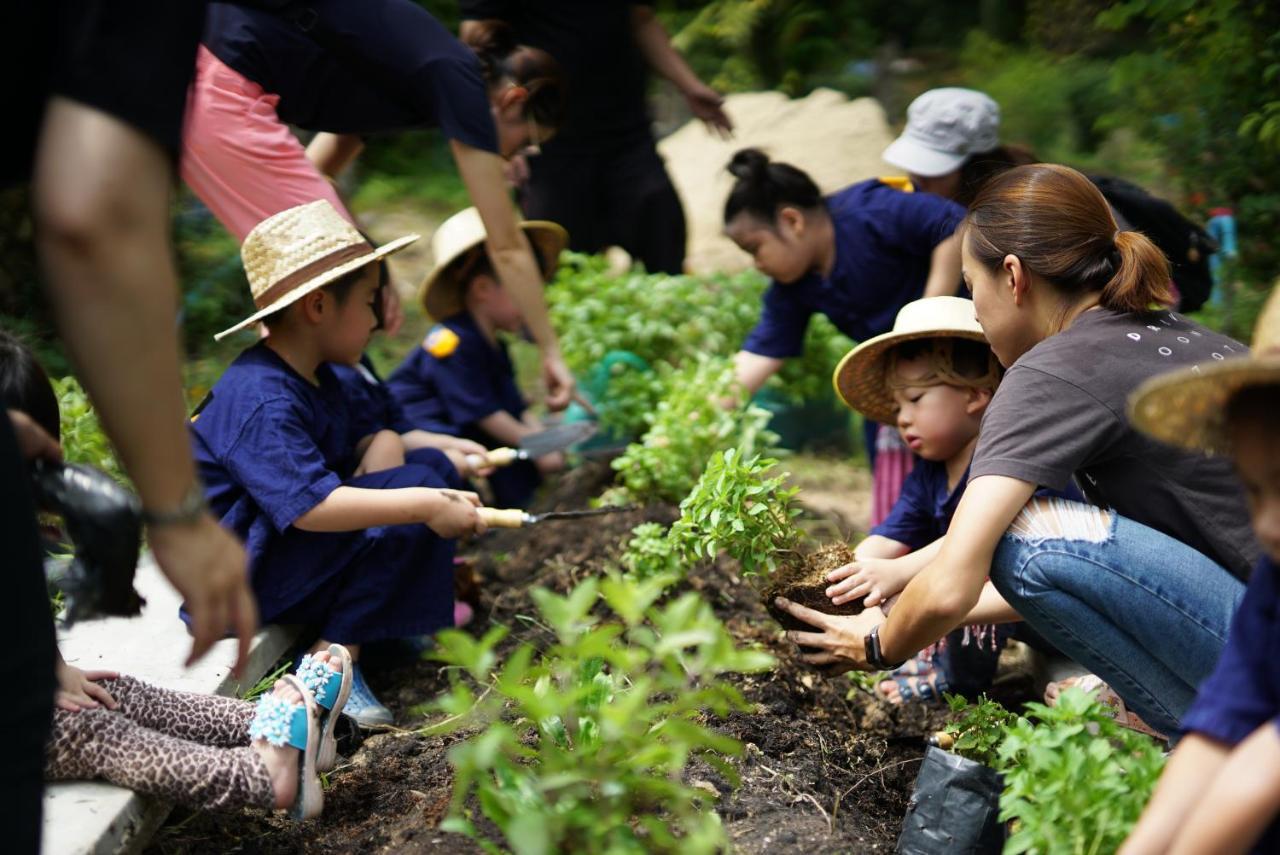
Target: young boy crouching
<point x="361" y="557"/>
<point x="1221" y="789"/>
<point x="461" y="381"/>
<point x="933" y="376"/>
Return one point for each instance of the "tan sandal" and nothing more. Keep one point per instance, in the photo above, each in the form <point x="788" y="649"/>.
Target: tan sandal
<point x="1108" y="698"/>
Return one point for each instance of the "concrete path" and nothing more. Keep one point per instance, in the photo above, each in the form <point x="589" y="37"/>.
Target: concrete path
<point x="98" y="818"/>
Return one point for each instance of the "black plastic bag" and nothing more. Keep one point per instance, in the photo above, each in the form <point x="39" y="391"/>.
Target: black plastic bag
<point x="954" y="808"/>
<point x="104" y="521"/>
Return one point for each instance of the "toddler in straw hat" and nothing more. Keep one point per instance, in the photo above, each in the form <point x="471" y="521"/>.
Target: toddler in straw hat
<point x="1221" y="789"/>
<point x="336" y="541"/>
<point x="461" y="380"/>
<point x="933" y="376"/>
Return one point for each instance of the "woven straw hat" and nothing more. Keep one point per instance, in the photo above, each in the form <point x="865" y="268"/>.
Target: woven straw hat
<point x="1187" y="408"/>
<point x="860" y="380"/>
<point x="441" y="291"/>
<point x="300" y="250"/>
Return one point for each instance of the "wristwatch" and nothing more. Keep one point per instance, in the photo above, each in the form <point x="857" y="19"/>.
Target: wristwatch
<point x="875" y="656"/>
<point x="190" y="509"/>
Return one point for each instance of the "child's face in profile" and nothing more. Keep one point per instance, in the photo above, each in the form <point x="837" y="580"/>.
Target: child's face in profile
<point x="1257" y="457"/>
<point x="779" y="250"/>
<point x="936" y="421"/>
<point x="497" y="305"/>
<point x="346" y="332"/>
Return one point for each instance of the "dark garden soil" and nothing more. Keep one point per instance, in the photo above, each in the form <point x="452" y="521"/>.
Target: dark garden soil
<point x="827" y="767"/>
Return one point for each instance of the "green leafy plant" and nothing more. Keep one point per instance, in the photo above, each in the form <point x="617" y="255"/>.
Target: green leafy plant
<point x="650" y="552"/>
<point x="980" y="729"/>
<point x="735" y="507"/>
<point x="685" y="429"/>
<point x="1075" y="780"/>
<point x="82" y="438"/>
<point x="584" y="748"/>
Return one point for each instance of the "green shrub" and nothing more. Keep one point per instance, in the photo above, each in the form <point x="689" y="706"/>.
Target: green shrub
<point x="686" y="428"/>
<point x="980" y="729"/>
<point x="650" y="553"/>
<point x="584" y="748"/>
<point x="82" y="438"/>
<point x="736" y="508"/>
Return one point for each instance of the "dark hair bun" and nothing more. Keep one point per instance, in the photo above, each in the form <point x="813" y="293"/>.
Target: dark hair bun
<point x="749" y="164"/>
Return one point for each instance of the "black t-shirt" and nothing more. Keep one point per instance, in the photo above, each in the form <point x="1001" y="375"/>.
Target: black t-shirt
<point x="1061" y="411"/>
<point x="365" y="67"/>
<point x="595" y="45"/>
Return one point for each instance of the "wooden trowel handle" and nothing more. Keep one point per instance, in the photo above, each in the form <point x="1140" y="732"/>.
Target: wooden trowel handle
<point x="494" y="457"/>
<point x="502" y="517"/>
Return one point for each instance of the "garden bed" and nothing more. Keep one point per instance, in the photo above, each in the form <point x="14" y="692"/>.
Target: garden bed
<point x="827" y="767"/>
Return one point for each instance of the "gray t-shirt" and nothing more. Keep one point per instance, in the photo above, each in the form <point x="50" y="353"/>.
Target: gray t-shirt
<point x="1060" y="412"/>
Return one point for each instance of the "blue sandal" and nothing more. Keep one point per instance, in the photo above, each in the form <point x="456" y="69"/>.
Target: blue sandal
<point x="925" y="688"/>
<point x="281" y="723"/>
<point x="331" y="689"/>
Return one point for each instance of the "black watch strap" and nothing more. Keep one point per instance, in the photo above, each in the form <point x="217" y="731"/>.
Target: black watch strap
<point x="875" y="655"/>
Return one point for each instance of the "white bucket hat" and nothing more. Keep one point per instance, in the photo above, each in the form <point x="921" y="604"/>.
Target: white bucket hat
<point x="944" y="127"/>
<point x="300" y="250"/>
<point x="861" y="379"/>
<point x="452" y="243"/>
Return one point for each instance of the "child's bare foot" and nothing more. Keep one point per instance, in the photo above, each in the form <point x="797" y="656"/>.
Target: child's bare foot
<point x="281" y="761"/>
<point x="905" y="688"/>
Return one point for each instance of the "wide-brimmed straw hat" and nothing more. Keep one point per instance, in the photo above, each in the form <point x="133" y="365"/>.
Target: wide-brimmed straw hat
<point x="299" y="250"/>
<point x="452" y="244"/>
<point x="1187" y="407"/>
<point x="860" y="378"/>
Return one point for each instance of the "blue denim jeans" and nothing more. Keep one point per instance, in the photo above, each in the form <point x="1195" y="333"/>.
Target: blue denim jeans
<point x="1145" y="612"/>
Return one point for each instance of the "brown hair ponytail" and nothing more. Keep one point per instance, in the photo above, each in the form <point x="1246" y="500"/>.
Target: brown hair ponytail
<point x="1141" y="277"/>
<point x="501" y="58"/>
<point x="1061" y="228"/>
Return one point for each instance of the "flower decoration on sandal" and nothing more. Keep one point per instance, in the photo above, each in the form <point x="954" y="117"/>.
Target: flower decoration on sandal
<point x="313" y="673"/>
<point x="273" y="720"/>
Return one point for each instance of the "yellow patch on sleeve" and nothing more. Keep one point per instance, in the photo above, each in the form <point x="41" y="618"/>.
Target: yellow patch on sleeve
<point x="441" y="342"/>
<point x="898" y="182"/>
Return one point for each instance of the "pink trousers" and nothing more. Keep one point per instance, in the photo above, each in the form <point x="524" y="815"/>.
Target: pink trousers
<point x="238" y="157"/>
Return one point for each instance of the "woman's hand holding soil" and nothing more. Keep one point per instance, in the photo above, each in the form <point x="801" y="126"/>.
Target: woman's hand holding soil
<point x="877" y="579"/>
<point x="841" y="642"/>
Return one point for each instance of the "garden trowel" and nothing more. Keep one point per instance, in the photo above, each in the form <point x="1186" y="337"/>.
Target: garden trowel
<point x="516" y="518"/>
<point x="535" y="445"/>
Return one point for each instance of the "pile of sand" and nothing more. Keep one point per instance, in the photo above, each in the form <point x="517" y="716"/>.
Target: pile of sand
<point x="835" y="140"/>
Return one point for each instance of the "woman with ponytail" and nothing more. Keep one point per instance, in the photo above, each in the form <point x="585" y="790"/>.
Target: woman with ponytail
<point x="1140" y="584"/>
<point x="857" y="256"/>
<point x="350" y="69"/>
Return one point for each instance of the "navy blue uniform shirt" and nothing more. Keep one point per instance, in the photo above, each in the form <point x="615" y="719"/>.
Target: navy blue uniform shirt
<point x="455" y="379"/>
<point x="884" y="238"/>
<point x="365" y="67"/>
<point x="926" y="505"/>
<point x="1243" y="692"/>
<point x="270" y="445"/>
<point x="373" y="407"/>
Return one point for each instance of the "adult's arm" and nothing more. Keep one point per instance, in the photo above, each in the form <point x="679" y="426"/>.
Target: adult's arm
<point x="944" y="269"/>
<point x="751" y="370"/>
<point x="1182" y="786"/>
<point x="939" y="598"/>
<point x="513" y="261"/>
<point x="333" y="153"/>
<point x="655" y="46"/>
<point x="102" y="207"/>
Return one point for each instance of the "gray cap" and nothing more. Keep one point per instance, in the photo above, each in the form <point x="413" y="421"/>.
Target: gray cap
<point x="945" y="126"/>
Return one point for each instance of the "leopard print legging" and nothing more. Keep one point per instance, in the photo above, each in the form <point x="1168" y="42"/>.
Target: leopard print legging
<point x="187" y="748"/>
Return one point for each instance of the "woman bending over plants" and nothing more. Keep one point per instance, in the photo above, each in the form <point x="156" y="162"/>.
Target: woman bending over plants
<point x="1142" y="593"/>
<point x="856" y="256"/>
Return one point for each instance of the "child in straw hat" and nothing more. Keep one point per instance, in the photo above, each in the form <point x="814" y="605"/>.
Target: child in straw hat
<point x="461" y="380"/>
<point x="1221" y="789"/>
<point x="933" y="376"/>
<point x="360" y="557"/>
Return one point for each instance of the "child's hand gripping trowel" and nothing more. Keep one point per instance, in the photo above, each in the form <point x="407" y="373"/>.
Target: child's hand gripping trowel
<point x="516" y="518"/>
<point x="534" y="445"/>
